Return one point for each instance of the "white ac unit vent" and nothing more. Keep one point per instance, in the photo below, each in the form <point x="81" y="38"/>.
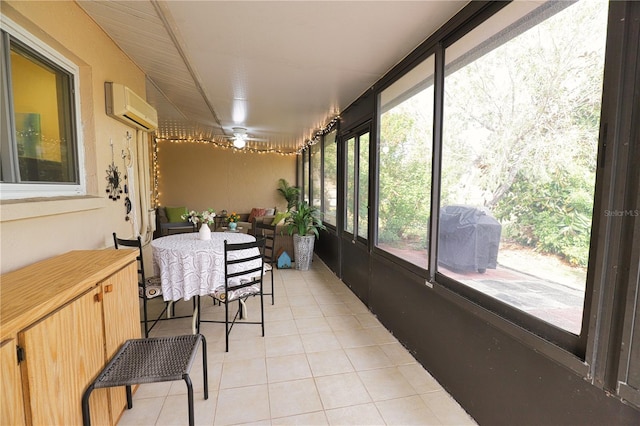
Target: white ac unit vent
<point x="123" y="104"/>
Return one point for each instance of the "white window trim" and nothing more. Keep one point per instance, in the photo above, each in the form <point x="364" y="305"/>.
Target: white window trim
<point x="12" y="191"/>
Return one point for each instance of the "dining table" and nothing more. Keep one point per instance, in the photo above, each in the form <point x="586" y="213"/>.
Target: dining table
<point x="190" y="267"/>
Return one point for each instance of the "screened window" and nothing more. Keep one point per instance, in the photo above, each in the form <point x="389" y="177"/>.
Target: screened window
<point x="363" y="185"/>
<point x="40" y="155"/>
<point x="316" y="175"/>
<point x="300" y="172"/>
<point x="357" y="180"/>
<point x="520" y="133"/>
<point x="350" y="177"/>
<point x="306" y="188"/>
<point x="330" y="176"/>
<point x="406" y="138"/>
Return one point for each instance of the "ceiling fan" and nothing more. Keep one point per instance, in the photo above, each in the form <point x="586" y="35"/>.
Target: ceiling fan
<point x="240" y="137"/>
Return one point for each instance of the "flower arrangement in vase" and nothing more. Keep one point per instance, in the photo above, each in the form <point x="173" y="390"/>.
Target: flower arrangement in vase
<point x="233" y="221"/>
<point x="205" y="217"/>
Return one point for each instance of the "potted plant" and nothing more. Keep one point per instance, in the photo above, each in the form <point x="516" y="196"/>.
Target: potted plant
<point x="303" y="223"/>
<point x="290" y="193"/>
<point x="233" y="220"/>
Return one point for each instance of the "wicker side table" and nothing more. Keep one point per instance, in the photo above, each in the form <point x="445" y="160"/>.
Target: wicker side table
<point x="151" y="360"/>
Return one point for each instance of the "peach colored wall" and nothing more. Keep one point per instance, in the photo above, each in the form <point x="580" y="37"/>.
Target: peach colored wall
<point x="32" y="230"/>
<point x="201" y="176"/>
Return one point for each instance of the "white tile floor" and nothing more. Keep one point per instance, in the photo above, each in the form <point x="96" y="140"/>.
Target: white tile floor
<point x="324" y="360"/>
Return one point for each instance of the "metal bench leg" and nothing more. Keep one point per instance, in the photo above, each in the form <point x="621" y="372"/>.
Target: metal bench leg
<point x="86" y="416"/>
<point x="187" y="380"/>
<point x="129" y="399"/>
<point x="204" y="367"/>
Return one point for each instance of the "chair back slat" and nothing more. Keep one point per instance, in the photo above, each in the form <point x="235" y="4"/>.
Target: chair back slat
<point x="142" y="281"/>
<point x="268" y="232"/>
<point x="243" y="272"/>
<point x="133" y="243"/>
<point x="243" y="260"/>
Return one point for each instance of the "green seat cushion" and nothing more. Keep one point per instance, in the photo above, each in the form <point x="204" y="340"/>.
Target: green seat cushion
<point x="174" y="214"/>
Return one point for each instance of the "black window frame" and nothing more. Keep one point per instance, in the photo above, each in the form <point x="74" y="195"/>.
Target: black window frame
<point x="334" y="131"/>
<point x="579" y="353"/>
<point x="355" y="134"/>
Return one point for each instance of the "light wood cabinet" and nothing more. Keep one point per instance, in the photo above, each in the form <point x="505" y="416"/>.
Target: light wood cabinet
<point x="69" y="340"/>
<point x="11" y="391"/>
<point x="70" y="314"/>
<point x="120" y="301"/>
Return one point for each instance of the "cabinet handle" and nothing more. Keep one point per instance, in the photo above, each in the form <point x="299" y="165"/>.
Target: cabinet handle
<point x="98" y="297"/>
<point x="108" y="288"/>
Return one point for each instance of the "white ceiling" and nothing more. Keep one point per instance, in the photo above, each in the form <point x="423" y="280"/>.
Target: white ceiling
<point x="281" y="69"/>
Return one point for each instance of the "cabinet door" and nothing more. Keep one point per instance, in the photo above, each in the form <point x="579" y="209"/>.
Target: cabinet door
<point x="12" y="409"/>
<point x="121" y="321"/>
<point x="63" y="353"/>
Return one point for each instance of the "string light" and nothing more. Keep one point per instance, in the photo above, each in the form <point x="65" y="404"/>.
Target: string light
<point x="317" y="136"/>
<point x="213" y="143"/>
<point x="225" y="145"/>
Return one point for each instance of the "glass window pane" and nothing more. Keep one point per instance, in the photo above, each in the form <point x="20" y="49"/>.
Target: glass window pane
<point x="406" y="137"/>
<point x="330" y="178"/>
<point x="350" y="178"/>
<point x="521" y="120"/>
<point x="42" y="114"/>
<point x="363" y="186"/>
<point x="300" y="172"/>
<point x="316" y="170"/>
<point x="305" y="176"/>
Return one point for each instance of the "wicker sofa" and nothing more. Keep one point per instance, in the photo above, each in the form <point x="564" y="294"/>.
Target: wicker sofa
<point x="283" y="241"/>
<point x="165" y="227"/>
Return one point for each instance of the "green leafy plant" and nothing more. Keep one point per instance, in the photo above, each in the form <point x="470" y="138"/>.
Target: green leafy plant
<point x="290" y="193"/>
<point x="552" y="216"/>
<point x="304" y="219"/>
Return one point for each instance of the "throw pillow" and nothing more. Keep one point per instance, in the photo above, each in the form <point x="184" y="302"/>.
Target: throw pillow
<point x="255" y="213"/>
<point x="174" y="214"/>
<point x="279" y="219"/>
<point x="269" y="212"/>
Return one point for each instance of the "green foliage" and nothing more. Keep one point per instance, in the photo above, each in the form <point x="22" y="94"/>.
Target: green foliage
<point x="405" y="177"/>
<point x="290" y="193"/>
<point x="553" y="216"/>
<point x="304" y="220"/>
<point x="520" y="137"/>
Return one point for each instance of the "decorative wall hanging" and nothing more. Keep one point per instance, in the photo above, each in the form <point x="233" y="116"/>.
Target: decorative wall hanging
<point x="126" y="157"/>
<point x="127" y="201"/>
<point x="113" y="179"/>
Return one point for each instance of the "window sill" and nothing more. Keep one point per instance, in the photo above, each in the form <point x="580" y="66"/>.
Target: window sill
<point x="39" y="207"/>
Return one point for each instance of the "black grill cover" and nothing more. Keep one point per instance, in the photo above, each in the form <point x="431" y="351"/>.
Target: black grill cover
<point x="469" y="239"/>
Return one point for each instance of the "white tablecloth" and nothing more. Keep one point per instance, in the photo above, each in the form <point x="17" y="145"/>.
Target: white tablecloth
<point x="190" y="267"/>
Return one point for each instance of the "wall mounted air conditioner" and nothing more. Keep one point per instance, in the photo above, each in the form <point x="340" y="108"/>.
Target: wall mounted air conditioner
<point x="123" y="104"/>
